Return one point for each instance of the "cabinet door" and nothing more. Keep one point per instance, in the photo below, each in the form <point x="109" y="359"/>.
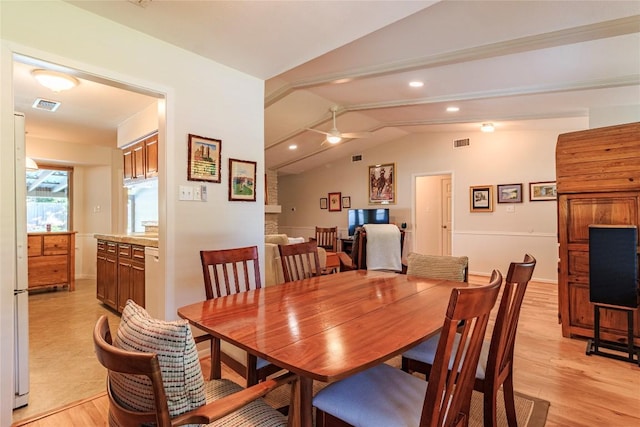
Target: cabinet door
<point x="124" y="282"/>
<point x="111" y="282"/>
<point x="138" y="160"/>
<point x="34" y="245"/>
<point x="127" y="154"/>
<point x="151" y="156"/>
<point x="137" y="283"/>
<point x="101" y="271"/>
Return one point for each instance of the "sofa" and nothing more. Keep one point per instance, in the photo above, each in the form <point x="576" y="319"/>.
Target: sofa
<point x="273" y="266"/>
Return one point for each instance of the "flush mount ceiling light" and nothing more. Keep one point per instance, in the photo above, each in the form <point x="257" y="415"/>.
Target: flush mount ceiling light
<point x="416" y="84"/>
<point x="487" y="127"/>
<point x="54" y="80"/>
<point x="453" y="109"/>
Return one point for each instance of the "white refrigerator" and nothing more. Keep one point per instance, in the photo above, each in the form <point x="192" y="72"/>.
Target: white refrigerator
<point x="20" y="292"/>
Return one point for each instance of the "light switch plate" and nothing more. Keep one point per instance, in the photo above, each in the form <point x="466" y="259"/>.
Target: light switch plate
<point x="197" y="193"/>
<point x="186" y="192"/>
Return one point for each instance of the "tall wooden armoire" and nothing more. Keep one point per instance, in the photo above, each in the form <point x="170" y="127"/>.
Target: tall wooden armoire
<point x="598" y="182"/>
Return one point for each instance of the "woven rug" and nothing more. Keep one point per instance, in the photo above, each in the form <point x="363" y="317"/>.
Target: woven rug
<point x="530" y="411"/>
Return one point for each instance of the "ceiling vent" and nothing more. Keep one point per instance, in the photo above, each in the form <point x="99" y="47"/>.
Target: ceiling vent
<point x="460" y="143"/>
<point x="356" y="158"/>
<point x="44" y="104"/>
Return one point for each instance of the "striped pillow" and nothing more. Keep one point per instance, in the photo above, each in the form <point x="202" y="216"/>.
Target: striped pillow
<point x="173" y="342"/>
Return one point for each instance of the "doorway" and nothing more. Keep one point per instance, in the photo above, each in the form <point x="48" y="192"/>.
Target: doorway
<point x="81" y="134"/>
<point x="432" y="212"/>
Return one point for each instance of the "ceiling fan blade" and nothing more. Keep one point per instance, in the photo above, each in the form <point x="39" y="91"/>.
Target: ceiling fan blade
<point x="356" y="134"/>
<point x="318" y="131"/>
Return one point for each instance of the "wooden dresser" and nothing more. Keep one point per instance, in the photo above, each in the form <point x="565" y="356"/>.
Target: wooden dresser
<point x="51" y="259"/>
<point x="598" y="182"/>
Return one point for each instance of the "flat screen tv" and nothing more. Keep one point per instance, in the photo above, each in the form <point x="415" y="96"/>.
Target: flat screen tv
<point x="360" y="217"/>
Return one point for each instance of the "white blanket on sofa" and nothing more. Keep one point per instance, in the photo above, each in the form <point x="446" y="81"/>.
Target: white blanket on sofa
<point x="383" y="247"/>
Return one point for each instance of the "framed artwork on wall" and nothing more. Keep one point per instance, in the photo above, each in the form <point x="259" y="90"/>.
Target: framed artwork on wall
<point x="481" y="198"/>
<point x="545" y="190"/>
<point x="323" y="203"/>
<point x="382" y="184"/>
<point x="203" y="163"/>
<point x="510" y="193"/>
<point x="242" y="180"/>
<point x="334" y="202"/>
<point x="346" y="202"/>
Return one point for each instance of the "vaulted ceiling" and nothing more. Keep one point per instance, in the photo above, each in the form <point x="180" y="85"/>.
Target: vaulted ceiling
<point x="517" y="64"/>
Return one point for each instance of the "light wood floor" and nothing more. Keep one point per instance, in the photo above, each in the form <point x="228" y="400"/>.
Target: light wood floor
<point x="583" y="390"/>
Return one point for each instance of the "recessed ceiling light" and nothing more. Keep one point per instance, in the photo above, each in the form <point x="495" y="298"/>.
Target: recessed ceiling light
<point x="487" y="127"/>
<point x="453" y="109"/>
<point x="293" y="147"/>
<point x="416" y="84"/>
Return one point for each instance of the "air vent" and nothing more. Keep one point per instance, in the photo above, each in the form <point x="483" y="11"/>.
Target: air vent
<point x="356" y="158"/>
<point x="44" y="104"/>
<point x="460" y="143"/>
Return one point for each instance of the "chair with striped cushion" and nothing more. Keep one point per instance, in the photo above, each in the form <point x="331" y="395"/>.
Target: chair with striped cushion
<point x="227" y="272"/>
<point x="154" y="377"/>
<point x="495" y="367"/>
<point x="386" y="396"/>
<point x="438" y="267"/>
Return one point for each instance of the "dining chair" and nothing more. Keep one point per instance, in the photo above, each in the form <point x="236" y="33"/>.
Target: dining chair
<point x="327" y="238"/>
<point x="495" y="367"/>
<point x="299" y="261"/>
<point x="438" y="267"/>
<point x="386" y="396"/>
<point x="148" y="394"/>
<point x="227" y="272"/>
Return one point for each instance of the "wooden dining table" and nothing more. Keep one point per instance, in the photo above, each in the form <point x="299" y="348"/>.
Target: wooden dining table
<point x="329" y="327"/>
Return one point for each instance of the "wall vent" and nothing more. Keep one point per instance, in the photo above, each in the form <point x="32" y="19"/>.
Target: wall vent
<point x="460" y="143"/>
<point x="44" y="104"/>
<point x="356" y="158"/>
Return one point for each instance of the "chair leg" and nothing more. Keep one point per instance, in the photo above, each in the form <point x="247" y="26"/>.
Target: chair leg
<point x="490" y="400"/>
<point x="509" y="401"/>
<point x="215" y="372"/>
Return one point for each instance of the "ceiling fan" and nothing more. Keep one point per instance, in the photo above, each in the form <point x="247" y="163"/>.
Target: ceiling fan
<point x="334" y="135"/>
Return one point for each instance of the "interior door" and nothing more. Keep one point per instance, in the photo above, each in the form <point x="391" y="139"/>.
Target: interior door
<point x="446" y="215"/>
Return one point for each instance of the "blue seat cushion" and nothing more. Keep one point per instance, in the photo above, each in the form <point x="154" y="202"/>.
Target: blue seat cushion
<point x="426" y="351"/>
<point x="381" y="396"/>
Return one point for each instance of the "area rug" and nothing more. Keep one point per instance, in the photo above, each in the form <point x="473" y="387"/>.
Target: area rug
<point x="530" y="411"/>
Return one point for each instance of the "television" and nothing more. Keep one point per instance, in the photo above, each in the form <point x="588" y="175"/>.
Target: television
<point x="360" y="217"/>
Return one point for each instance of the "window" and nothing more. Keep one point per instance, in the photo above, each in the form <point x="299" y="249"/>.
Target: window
<point x="49" y="199"/>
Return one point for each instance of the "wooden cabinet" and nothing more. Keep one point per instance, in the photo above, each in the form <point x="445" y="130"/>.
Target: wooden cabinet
<point x="51" y="259"/>
<point x="120" y="274"/>
<point x="598" y="182"/>
<point x="141" y="159"/>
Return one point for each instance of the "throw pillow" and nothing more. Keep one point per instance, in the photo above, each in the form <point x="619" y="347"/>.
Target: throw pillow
<point x="437" y="267"/>
<point x="277" y="239"/>
<point x="173" y="342"/>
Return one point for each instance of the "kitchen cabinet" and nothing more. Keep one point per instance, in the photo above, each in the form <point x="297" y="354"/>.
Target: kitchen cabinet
<point x="141" y="159"/>
<point x="51" y="259"/>
<point x="120" y="273"/>
<point x="598" y="176"/>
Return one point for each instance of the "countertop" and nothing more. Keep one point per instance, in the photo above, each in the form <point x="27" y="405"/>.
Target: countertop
<point x="142" y="239"/>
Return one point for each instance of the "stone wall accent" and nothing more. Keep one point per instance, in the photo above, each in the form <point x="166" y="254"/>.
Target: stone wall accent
<point x="271" y="219"/>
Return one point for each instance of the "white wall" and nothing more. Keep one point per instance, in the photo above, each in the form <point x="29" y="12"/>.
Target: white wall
<point x="491" y="240"/>
<point x="141" y="124"/>
<point x="202" y="97"/>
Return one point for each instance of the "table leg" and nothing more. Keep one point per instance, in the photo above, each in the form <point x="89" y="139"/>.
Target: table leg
<point x="301" y="415"/>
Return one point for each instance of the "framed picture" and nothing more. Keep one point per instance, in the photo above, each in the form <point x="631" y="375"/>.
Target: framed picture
<point x="334" y="202"/>
<point x="545" y="190"/>
<point x="481" y="198"/>
<point x="346" y="202"/>
<point x="510" y="193"/>
<point x="323" y="203"/>
<point x="382" y="184"/>
<point x="204" y="159"/>
<point x="242" y="180"/>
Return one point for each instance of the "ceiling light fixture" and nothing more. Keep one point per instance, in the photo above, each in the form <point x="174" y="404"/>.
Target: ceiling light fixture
<point x="293" y="147"/>
<point x="416" y="84"/>
<point x="30" y="164"/>
<point x="333" y="139"/>
<point x="54" y="80"/>
<point x="453" y="109"/>
<point x="487" y="127"/>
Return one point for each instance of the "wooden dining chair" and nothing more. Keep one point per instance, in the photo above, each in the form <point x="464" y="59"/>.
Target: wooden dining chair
<point x="438" y="267"/>
<point x="495" y="367"/>
<point x="387" y="396"/>
<point x="227" y="272"/>
<point x="145" y="401"/>
<point x="299" y="261"/>
<point x="327" y="238"/>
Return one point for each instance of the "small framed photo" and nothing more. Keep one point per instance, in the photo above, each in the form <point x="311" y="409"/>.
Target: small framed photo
<point x="334" y="202"/>
<point x="242" y="180"/>
<point x="323" y="203"/>
<point x="346" y="202"/>
<point x="545" y="190"/>
<point x="510" y="193"/>
<point x="203" y="163"/>
<point x="382" y="183"/>
<point x="481" y="198"/>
